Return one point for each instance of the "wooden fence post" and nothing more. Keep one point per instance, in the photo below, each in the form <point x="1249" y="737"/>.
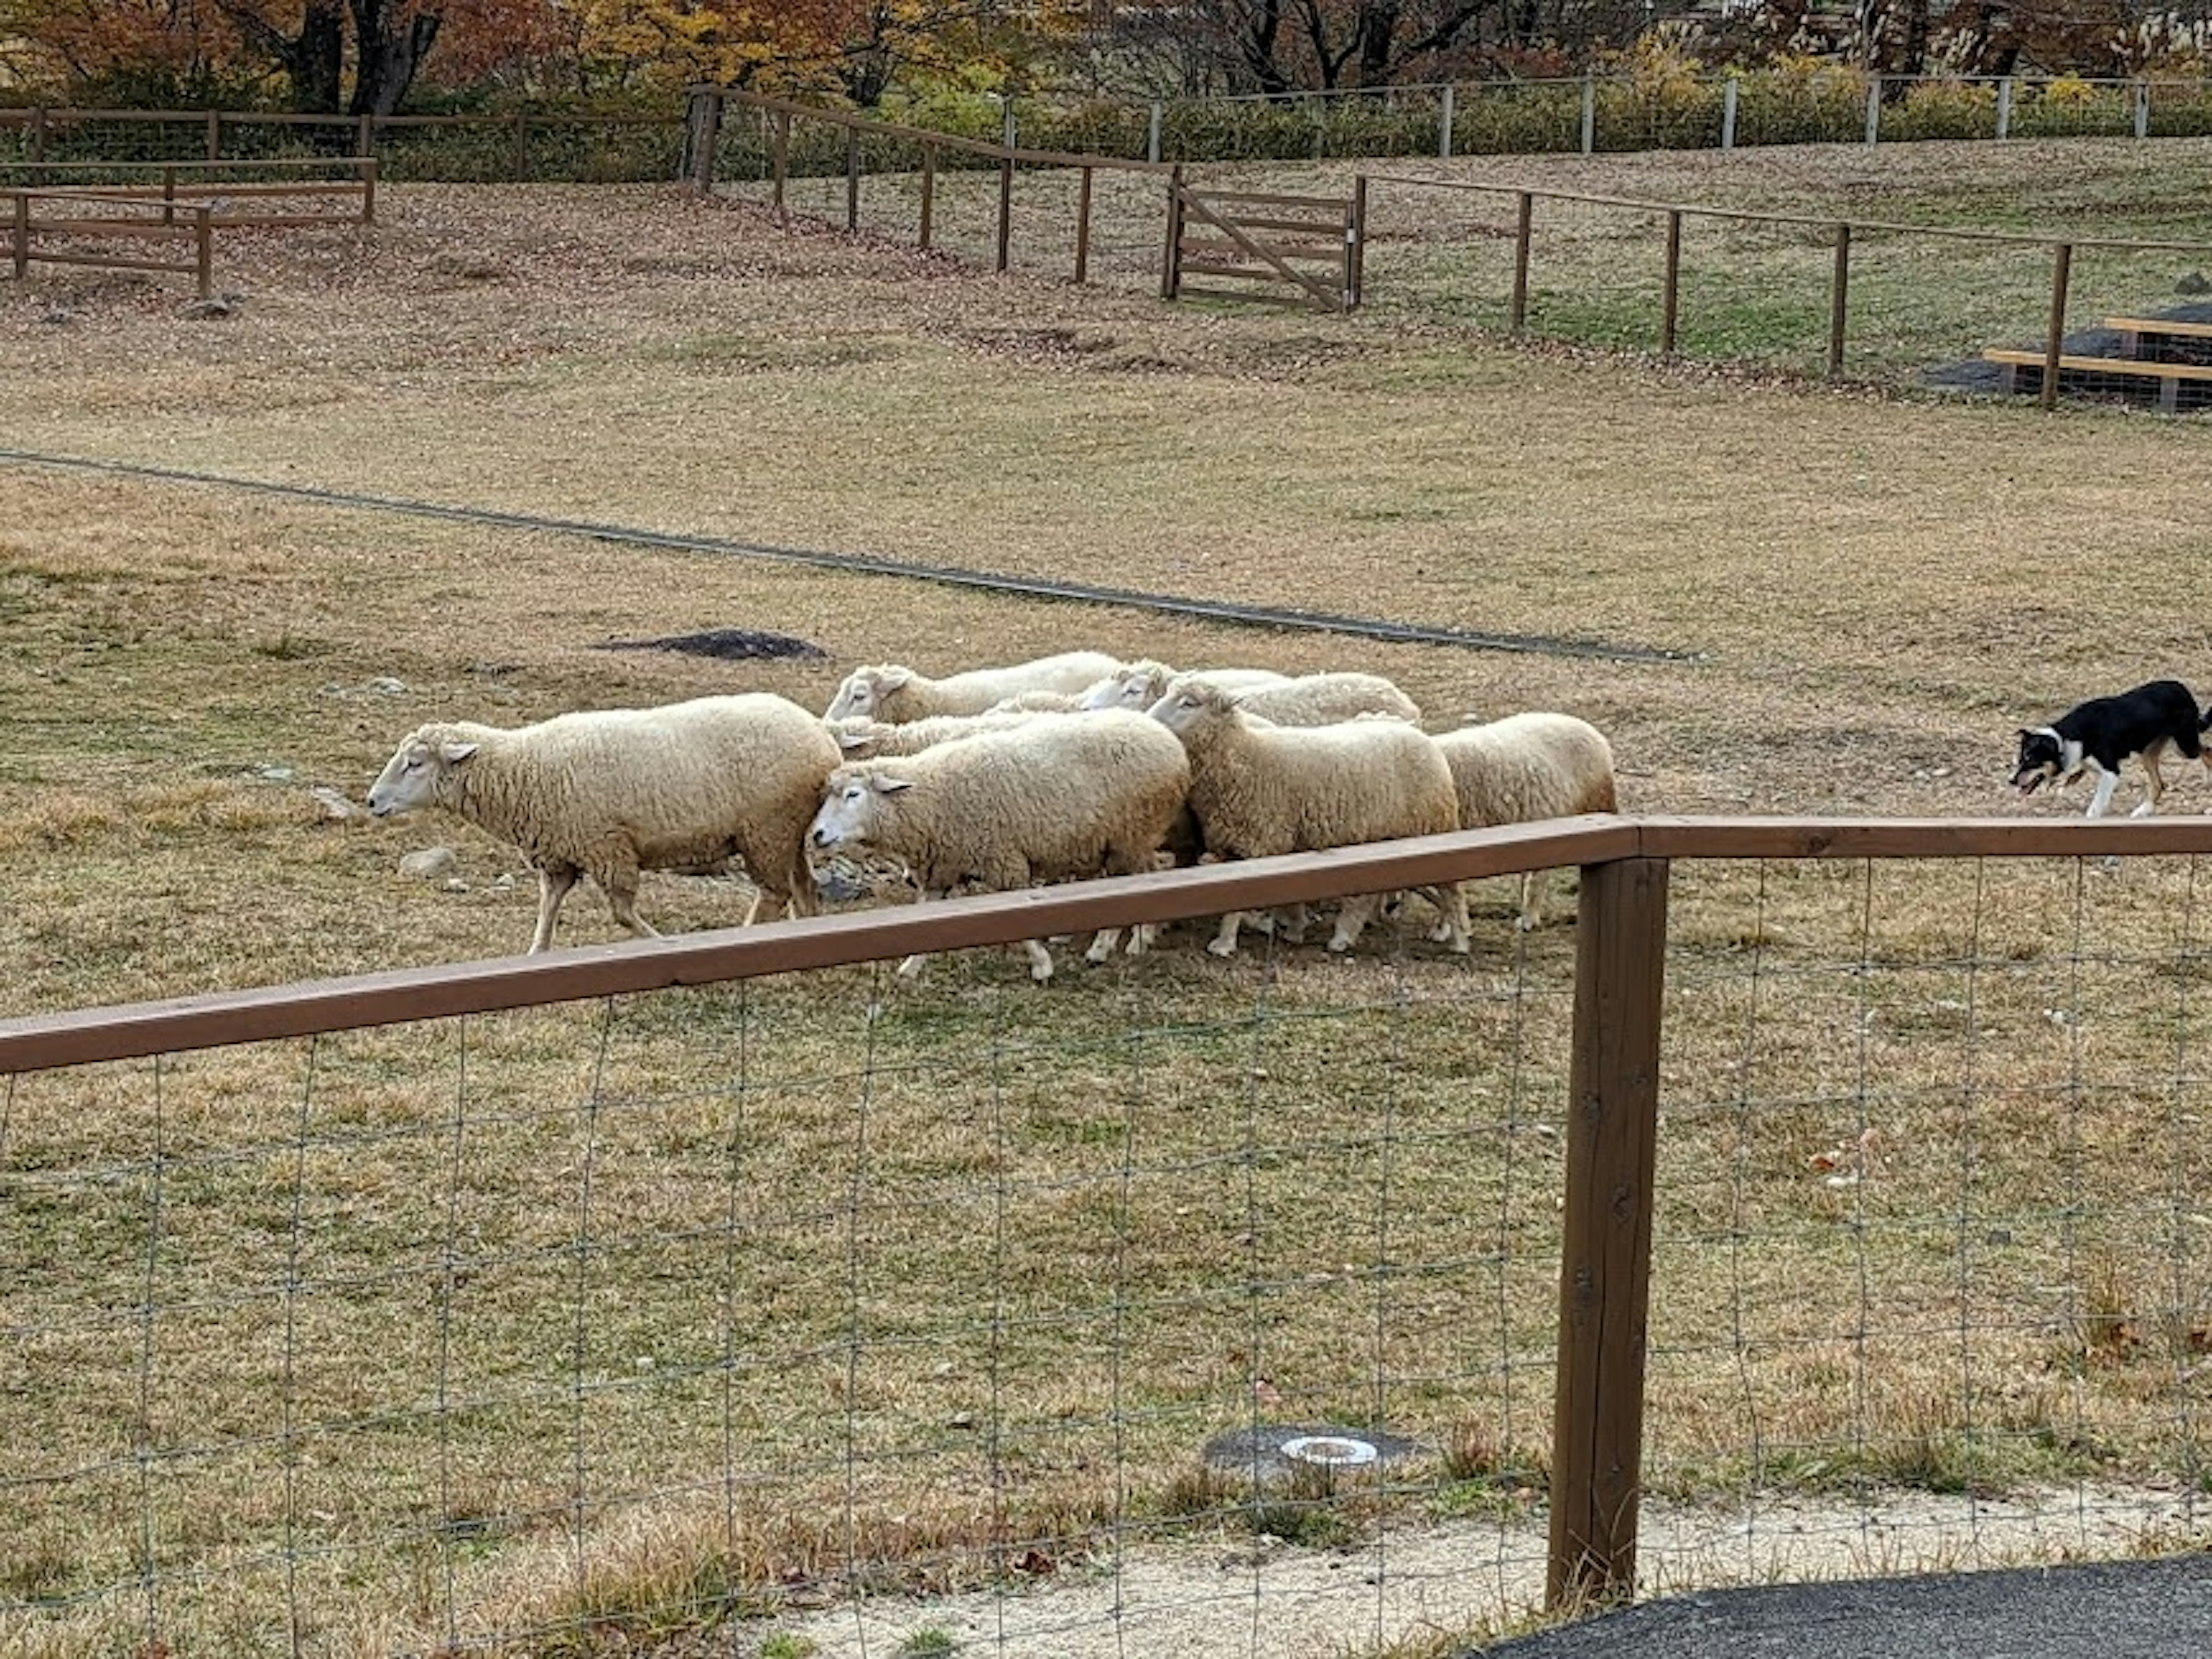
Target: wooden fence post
<point x="215" y="135"/>
<point x="1590" y="111"/>
<point x="852" y="179"/>
<point x="169" y="195"/>
<point x="1444" y="126"/>
<point x="1006" y="209"/>
<point x="203" y="249"/>
<point x="1839" y="300"/>
<point x="2062" y="267"/>
<point x="1516" y="310"/>
<point x="39" y="134"/>
<point x="1355" y="245"/>
<point x="2004" y="107"/>
<point x="1082" y="228"/>
<point x="706" y="136"/>
<point x="19" y="244"/>
<point x="928" y="193"/>
<point x="1670" y="295"/>
<point x="364" y="143"/>
<point x="1171" y="255"/>
<point x="783" y="158"/>
<point x="367" y="167"/>
<point x="1152" y="134"/>
<point x="1605" y="1268"/>
<point x="1874" y="111"/>
<point x="2142" y="115"/>
<point x="1729" y="91"/>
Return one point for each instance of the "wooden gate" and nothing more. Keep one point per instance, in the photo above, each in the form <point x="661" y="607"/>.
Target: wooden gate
<point x="1280" y="250"/>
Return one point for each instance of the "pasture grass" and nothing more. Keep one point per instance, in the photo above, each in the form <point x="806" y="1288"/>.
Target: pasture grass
<point x="595" y="1322"/>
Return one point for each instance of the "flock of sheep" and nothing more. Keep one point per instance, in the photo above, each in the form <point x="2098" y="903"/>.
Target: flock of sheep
<point x="1071" y="766"/>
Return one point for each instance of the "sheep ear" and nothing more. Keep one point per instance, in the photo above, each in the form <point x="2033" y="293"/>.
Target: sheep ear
<point x="454" y="753"/>
<point x="889" y="679"/>
<point x="890" y="785"/>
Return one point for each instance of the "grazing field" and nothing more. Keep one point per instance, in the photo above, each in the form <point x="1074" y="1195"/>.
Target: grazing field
<point x="599" y="1319"/>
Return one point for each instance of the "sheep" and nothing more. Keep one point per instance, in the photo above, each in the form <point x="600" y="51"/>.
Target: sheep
<point x="1141" y="684"/>
<point x="608" y="792"/>
<point x="1039" y="702"/>
<point x="1259" y="789"/>
<point x="866" y="739"/>
<point x="1524" y="768"/>
<point x="1052" y="801"/>
<point x="1321" y="699"/>
<point x="895" y="694"/>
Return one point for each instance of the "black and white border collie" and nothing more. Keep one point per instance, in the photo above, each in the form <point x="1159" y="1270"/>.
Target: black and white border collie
<point x="2096" y="736"/>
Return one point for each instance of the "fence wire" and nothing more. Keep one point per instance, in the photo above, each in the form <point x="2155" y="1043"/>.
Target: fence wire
<point x="784" y="1302"/>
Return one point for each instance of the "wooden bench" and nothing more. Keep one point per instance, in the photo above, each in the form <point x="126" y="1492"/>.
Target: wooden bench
<point x="2169" y="376"/>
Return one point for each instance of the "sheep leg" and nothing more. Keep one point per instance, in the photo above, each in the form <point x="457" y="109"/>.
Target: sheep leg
<point x="912" y="965"/>
<point x="1290" y="923"/>
<point x="1451" y="899"/>
<point x="1224" y="942"/>
<point x="553" y="881"/>
<point x="1536" y="888"/>
<point x="621" y="885"/>
<point x="1102" y="945"/>
<point x="1351" y="918"/>
<point x="1040" y="960"/>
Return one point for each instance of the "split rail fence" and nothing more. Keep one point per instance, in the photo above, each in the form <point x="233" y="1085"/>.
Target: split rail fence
<point x="66" y="222"/>
<point x="1618" y="1042"/>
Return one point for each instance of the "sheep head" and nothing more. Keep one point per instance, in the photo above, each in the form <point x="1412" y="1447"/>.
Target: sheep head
<point x="853" y="809"/>
<point x="1192" y="704"/>
<point x="864" y="689"/>
<point x="420" y="772"/>
<point x="1137" y="686"/>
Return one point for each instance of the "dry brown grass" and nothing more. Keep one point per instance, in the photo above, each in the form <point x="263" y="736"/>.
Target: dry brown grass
<point x="577" y="1316"/>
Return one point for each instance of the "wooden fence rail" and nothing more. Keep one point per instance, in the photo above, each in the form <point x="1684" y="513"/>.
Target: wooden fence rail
<point x="1617" y="1035"/>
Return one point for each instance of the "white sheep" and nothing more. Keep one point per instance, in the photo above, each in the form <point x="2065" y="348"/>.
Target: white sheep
<point x="1319" y="699"/>
<point x="608" y="792"/>
<point x="1258" y="789"/>
<point x="895" y="694"/>
<point x="1039" y="702"/>
<point x="1053" y="800"/>
<point x="1525" y="768"/>
<point x="866" y="739"/>
<point x="1139" y="684"/>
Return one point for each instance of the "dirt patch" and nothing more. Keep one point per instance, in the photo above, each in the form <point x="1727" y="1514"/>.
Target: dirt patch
<point x="729" y="645"/>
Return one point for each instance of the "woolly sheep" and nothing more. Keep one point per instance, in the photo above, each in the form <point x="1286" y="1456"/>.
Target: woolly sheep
<point x="1141" y="684"/>
<point x="895" y="694"/>
<point x="1321" y="699"/>
<point x="1258" y="789"/>
<point x="608" y="792"/>
<point x="866" y="739"/>
<point x="1524" y="768"/>
<point x="1039" y="702"/>
<point x="1053" y="800"/>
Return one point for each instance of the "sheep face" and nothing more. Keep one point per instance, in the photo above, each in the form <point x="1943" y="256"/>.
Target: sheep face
<point x="1190" y="706"/>
<point x="1135" y="687"/>
<point x="864" y="691"/>
<point x="854" y="810"/>
<point x="417" y="776"/>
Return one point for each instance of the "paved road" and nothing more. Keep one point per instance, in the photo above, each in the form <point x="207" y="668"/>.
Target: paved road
<point x="2114" y="1610"/>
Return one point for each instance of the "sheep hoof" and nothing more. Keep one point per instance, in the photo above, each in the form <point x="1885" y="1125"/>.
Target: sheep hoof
<point x="1526" y="924"/>
<point x="910" y="967"/>
<point x="1041" y="971"/>
<point x="1339" y="945"/>
<point x="1221" y="947"/>
<point x="1440" y="933"/>
<point x="1094" y="956"/>
<point x="1461" y="946"/>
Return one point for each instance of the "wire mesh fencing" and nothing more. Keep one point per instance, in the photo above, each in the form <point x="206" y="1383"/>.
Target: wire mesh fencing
<point x="1177" y="1305"/>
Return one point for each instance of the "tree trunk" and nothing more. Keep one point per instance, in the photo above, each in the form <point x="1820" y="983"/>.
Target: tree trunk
<point x="1257" y="46"/>
<point x="388" y="51"/>
<point x="1378" y="29"/>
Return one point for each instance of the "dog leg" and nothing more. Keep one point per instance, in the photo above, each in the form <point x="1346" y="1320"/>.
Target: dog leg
<point x="2154" y="786"/>
<point x="2102" y="801"/>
